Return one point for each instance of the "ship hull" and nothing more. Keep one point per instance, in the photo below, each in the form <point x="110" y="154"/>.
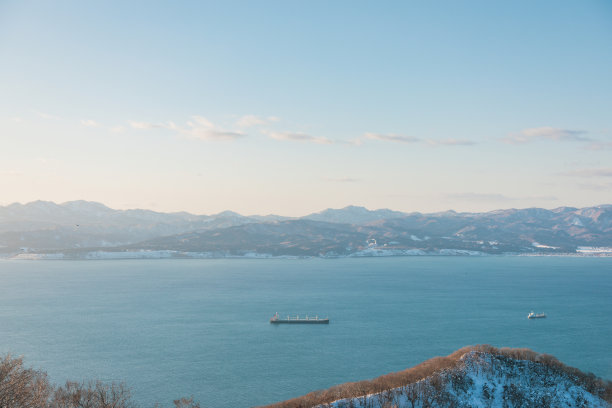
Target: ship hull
<point x="300" y="321"/>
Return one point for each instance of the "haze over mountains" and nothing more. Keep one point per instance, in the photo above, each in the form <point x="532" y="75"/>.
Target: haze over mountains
<point x="79" y="227"/>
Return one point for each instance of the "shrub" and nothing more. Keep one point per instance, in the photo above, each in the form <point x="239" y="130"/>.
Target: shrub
<point x="22" y="387"/>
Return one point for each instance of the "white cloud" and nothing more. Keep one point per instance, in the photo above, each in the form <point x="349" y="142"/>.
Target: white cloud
<point x="201" y="128"/>
<point x="392" y="138"/>
<point x="546" y="133"/>
<point x="252" y="120"/>
<point x="197" y="128"/>
<point x="298" y="137"/>
<point x="89" y="123"/>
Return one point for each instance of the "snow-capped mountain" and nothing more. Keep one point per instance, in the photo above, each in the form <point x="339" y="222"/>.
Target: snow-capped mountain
<point x="78" y="224"/>
<point x="350" y="231"/>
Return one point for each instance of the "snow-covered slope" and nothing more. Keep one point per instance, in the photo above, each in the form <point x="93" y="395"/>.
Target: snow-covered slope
<point x="480" y="376"/>
<point x="485" y="380"/>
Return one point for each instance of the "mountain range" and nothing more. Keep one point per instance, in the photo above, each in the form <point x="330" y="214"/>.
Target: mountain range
<point x="76" y="228"/>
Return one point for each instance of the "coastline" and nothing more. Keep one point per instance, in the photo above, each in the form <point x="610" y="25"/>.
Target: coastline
<point x="369" y="253"/>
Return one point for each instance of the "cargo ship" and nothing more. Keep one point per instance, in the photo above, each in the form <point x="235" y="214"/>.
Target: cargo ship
<point x="276" y="319"/>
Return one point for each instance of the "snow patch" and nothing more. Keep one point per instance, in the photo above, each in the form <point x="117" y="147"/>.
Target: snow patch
<point x="484" y="380"/>
<point x="413" y="252"/>
<point x="37" y="257"/>
<point x="538" y="245"/>
<point x="577" y="222"/>
<point x="594" y="250"/>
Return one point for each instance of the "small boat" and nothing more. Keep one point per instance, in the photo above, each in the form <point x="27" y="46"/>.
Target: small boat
<point x="536" y="315"/>
<point x="276" y="319"/>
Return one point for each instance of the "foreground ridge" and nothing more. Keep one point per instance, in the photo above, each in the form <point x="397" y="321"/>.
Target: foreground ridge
<point x="474" y="376"/>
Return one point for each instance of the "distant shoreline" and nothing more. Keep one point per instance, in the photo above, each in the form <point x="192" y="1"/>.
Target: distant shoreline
<point x="171" y="254"/>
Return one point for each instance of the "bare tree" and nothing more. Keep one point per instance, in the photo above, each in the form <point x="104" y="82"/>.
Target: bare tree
<point x="22" y="387"/>
<point x="92" y="394"/>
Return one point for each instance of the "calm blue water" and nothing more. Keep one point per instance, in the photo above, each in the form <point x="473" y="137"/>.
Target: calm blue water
<point x="173" y="328"/>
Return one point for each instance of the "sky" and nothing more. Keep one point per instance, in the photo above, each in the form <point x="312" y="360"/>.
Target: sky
<point x="287" y="107"/>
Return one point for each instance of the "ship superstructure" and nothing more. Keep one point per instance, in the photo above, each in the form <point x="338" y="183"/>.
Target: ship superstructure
<point x="276" y="319"/>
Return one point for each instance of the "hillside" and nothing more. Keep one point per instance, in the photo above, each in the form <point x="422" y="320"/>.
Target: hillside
<point x="77" y="224"/>
<point x="79" y="228"/>
<point x="480" y="376"/>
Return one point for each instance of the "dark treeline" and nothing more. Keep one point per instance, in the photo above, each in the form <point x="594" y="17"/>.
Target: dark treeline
<point x="407" y="379"/>
<point x="22" y="387"/>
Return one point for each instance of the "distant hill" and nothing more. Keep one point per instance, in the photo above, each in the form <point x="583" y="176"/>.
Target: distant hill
<point x="292" y="237"/>
<point x="77" y="227"/>
<point x="353" y="215"/>
<point x="78" y="224"/>
<point x="480" y="376"/>
<point x="504" y="231"/>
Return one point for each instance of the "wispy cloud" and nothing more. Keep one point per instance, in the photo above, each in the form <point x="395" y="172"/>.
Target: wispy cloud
<point x="89" y="123"/>
<point x="395" y="138"/>
<point x="450" y="142"/>
<point x="253" y="120"/>
<point x="297" y="137"/>
<point x="197" y="128"/>
<point x="546" y="133"/>
<point x="392" y="137"/>
<point x="595" y="186"/>
<point x="146" y="125"/>
<point x="489" y="197"/>
<point x="478" y="197"/>
<point x="203" y="129"/>
<point x="599" y="146"/>
<point x="48" y="116"/>
<point x="599" y="172"/>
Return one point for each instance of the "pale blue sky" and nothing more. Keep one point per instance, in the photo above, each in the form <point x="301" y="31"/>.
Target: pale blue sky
<point x="292" y="107"/>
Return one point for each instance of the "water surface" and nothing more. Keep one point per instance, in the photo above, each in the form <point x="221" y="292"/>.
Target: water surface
<point x="173" y="328"/>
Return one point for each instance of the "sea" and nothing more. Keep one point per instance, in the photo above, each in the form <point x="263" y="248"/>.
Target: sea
<point x="173" y="328"/>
